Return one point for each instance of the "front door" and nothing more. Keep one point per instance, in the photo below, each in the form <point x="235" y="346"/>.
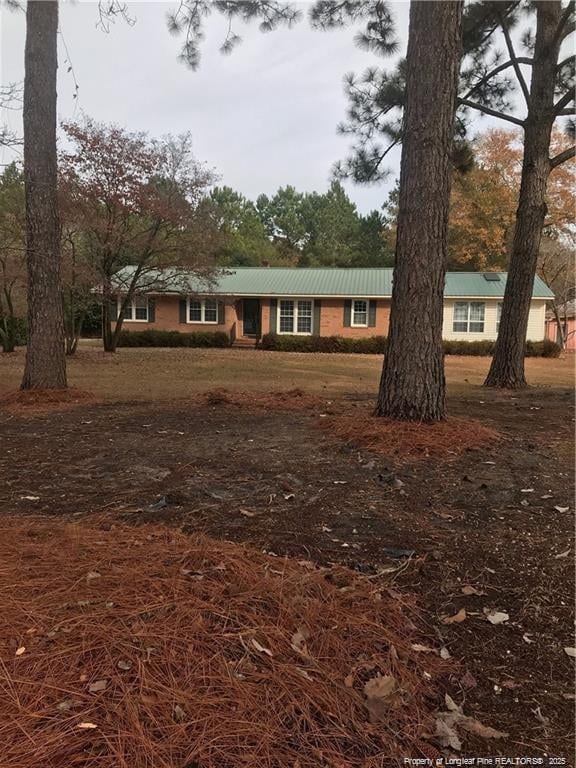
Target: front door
<point x="251" y="317"/>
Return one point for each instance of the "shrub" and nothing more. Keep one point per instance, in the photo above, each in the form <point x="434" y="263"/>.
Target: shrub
<point x="153" y="338"/>
<point x="544" y="348"/>
<point x="376" y="345"/>
<point x="371" y="345"/>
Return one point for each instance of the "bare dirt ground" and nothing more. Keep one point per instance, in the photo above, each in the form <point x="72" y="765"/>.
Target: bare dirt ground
<point x="498" y="519"/>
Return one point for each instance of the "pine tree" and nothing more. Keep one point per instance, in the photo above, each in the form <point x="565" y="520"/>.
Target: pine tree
<point x="45" y="366"/>
<point x="412" y="384"/>
<point x="489" y="77"/>
<point x="550" y="95"/>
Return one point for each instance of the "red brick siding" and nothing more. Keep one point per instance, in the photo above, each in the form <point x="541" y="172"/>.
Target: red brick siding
<point x="331" y="318"/>
<point x="167" y="314"/>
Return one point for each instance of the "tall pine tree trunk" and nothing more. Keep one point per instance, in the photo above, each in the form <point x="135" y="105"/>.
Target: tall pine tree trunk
<point x="412" y="384"/>
<point x="45" y="366"/>
<point x="507" y="368"/>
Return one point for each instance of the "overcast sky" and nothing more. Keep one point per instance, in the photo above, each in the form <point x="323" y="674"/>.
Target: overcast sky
<point x="263" y="117"/>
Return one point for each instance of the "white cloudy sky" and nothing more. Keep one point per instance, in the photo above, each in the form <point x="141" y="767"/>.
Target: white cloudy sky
<point x="263" y="117"/>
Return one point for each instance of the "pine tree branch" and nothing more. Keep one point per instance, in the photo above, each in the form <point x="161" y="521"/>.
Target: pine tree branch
<point x="569" y="10"/>
<point x="566" y="112"/>
<point x="512" y="54"/>
<point x="565" y="61"/>
<point x="564" y="101"/>
<point x="492" y="112"/>
<point x="562" y="157"/>
<point x="496" y="71"/>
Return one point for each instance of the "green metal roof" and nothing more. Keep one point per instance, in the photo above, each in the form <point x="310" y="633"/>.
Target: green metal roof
<point x="319" y="281"/>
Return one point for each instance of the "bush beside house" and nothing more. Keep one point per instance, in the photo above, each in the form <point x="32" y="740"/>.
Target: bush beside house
<point x="376" y="345"/>
<point x="173" y="339"/>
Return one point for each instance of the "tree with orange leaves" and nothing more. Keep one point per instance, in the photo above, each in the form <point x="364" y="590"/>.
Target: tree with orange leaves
<point x="484" y="200"/>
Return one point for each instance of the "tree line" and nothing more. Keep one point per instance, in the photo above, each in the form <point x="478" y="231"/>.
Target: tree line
<point x="127" y="199"/>
<point x="458" y="61"/>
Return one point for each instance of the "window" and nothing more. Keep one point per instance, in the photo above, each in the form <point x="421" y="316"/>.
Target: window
<point x="360" y="314"/>
<point x="202" y="311"/>
<point x="136" y="310"/>
<point x="295" y="316"/>
<point x="498" y="315"/>
<point x="468" y="317"/>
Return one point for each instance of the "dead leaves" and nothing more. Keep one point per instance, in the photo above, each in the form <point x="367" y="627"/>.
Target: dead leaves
<point x="97" y="686"/>
<point x="470" y="590"/>
<point x="449" y="723"/>
<point x="381" y="694"/>
<point x="261" y="648"/>
<point x="456" y="619"/>
<point x="298" y="641"/>
<point x="496" y="617"/>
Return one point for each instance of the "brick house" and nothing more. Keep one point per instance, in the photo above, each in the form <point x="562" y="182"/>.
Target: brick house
<point x="567" y="313"/>
<point x="247" y="302"/>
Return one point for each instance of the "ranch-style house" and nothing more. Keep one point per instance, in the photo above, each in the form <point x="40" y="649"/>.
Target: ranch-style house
<point x="247" y="302"/>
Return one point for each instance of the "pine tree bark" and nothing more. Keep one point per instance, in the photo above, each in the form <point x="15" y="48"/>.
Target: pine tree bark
<point x="45" y="366"/>
<point x="412" y="386"/>
<point x="507" y="368"/>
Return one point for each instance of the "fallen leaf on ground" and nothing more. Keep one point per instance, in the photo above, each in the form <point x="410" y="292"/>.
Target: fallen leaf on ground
<point x="570" y="652"/>
<point x="446" y="733"/>
<point x="448" y="723"/>
<point x="179" y="714"/>
<point x="87" y="726"/>
<point x="247" y="513"/>
<point x="21" y="650"/>
<point x="261" y="648"/>
<point x="444" y="653"/>
<point x="379" y="692"/>
<point x="468" y="680"/>
<point x="298" y="641"/>
<point x="422" y="648"/>
<point x="479" y="729"/>
<point x="98" y="685"/>
<point x="561" y="509"/>
<point x="497" y="617"/>
<point x="91" y="575"/>
<point x="124" y="664"/>
<point x="562" y="554"/>
<point x="469" y="590"/>
<point x="456" y="619"/>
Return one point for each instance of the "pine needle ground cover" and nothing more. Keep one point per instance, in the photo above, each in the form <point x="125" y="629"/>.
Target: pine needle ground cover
<point x="127" y="647"/>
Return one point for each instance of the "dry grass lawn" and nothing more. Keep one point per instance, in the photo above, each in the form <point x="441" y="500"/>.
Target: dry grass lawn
<point x="166" y="374"/>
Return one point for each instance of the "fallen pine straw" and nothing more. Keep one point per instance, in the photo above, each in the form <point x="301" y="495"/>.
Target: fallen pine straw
<point x="443" y="439"/>
<point x="37" y="401"/>
<point x="133" y="648"/>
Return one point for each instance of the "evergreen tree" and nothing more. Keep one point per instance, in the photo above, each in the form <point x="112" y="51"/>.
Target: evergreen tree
<point x="413" y="384"/>
<point x="45" y="366"/>
<point x="244" y="240"/>
<point x="491" y="72"/>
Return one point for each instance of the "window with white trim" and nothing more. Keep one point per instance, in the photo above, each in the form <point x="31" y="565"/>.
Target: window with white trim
<point x="359" y="313"/>
<point x="498" y="316"/>
<point x="295" y="316"/>
<point x="202" y="311"/>
<point x="136" y="310"/>
<point x="468" y="317"/>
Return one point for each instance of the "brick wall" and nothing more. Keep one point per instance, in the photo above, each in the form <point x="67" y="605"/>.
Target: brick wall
<point x="167" y="311"/>
<point x="332" y="320"/>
